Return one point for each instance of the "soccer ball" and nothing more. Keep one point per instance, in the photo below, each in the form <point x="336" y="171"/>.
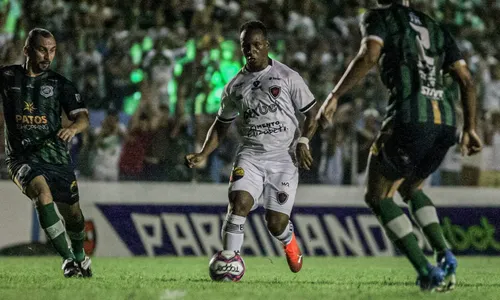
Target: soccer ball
<point x="226" y="265"/>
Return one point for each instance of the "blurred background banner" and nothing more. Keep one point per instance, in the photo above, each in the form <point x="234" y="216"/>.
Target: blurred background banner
<point x="150" y="219"/>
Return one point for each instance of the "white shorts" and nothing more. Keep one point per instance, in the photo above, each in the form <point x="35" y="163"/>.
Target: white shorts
<point x="271" y="184"/>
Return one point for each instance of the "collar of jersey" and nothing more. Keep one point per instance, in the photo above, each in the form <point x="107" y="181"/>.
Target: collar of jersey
<point x="271" y="62"/>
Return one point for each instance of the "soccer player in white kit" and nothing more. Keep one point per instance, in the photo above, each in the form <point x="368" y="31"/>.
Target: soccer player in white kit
<point x="266" y="95"/>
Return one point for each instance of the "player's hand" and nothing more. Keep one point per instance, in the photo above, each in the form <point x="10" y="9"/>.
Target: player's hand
<point x="194" y="159"/>
<point x="304" y="156"/>
<point x="326" y="111"/>
<point x="470" y="143"/>
<point x="66" y="134"/>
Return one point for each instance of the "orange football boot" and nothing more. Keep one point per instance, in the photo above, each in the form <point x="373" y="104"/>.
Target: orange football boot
<point x="293" y="255"/>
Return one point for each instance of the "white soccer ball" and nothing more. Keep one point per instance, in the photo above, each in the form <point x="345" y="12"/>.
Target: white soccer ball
<point x="226" y="265"/>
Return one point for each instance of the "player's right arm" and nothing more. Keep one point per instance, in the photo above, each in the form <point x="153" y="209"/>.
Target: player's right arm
<point x="374" y="32"/>
<point x="457" y="67"/>
<point x="227" y="113"/>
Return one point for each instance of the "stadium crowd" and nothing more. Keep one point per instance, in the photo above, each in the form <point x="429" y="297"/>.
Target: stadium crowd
<point x="152" y="73"/>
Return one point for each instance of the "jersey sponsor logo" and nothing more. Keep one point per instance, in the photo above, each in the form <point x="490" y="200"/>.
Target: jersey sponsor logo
<point x="431" y="92"/>
<point x="284" y="183"/>
<point x="256" y="85"/>
<point x="9" y="73"/>
<point x="260" y="110"/>
<point x="282" y="197"/>
<point x="266" y="128"/>
<point x="237" y="174"/>
<point x="31" y="120"/>
<point x="47" y="91"/>
<point x="27" y="122"/>
<point x="275" y="91"/>
<point x="29" y="107"/>
<point x="274" y="78"/>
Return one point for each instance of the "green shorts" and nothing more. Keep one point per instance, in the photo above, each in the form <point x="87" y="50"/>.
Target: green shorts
<point x="60" y="178"/>
<point x="412" y="150"/>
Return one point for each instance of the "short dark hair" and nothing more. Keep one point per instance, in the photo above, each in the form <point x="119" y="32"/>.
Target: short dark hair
<point x="254" y="25"/>
<point x="35" y="33"/>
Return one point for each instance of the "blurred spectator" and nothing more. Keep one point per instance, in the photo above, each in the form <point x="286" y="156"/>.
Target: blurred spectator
<point x="107" y="148"/>
<point x="365" y="137"/>
<point x="491" y="173"/>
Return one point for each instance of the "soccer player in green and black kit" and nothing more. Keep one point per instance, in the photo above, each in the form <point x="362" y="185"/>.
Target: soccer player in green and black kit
<point x="413" y="52"/>
<point x="33" y="98"/>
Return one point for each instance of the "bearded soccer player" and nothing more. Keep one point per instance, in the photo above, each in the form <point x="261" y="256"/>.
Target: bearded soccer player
<point x="38" y="160"/>
<point x="413" y="52"/>
<point x="266" y="95"/>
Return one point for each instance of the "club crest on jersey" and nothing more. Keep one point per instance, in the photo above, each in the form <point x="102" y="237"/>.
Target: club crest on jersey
<point x="237" y="174"/>
<point x="78" y="98"/>
<point x="282" y="197"/>
<point x="47" y="91"/>
<point x="275" y="91"/>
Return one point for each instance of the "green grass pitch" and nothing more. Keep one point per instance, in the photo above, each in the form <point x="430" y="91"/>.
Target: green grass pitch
<point x="266" y="278"/>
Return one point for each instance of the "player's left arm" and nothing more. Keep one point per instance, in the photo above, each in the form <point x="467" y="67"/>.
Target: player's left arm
<point x="308" y="130"/>
<point x="74" y="107"/>
<point x="305" y="102"/>
<point x="373" y="32"/>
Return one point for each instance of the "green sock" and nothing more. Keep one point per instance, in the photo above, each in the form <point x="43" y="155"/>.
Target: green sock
<point x="76" y="233"/>
<point x="399" y="229"/>
<point x="425" y="215"/>
<point x="53" y="226"/>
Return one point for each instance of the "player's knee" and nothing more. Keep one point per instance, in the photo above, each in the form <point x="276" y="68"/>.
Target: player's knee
<point x="41" y="197"/>
<point x="240" y="203"/>
<point x="276" y="222"/>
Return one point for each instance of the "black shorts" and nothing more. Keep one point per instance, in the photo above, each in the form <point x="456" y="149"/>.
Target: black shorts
<point x="60" y="178"/>
<point x="412" y="150"/>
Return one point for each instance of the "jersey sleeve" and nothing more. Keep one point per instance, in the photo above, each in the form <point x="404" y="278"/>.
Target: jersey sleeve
<point x="373" y="27"/>
<point x="71" y="100"/>
<point x="228" y="110"/>
<point x="451" y="52"/>
<point x="300" y="94"/>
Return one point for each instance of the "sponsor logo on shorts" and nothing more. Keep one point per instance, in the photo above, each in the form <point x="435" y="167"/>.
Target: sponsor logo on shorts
<point x="73" y="189"/>
<point x="237" y="174"/>
<point x="21" y="175"/>
<point x="47" y="91"/>
<point x="282" y="197"/>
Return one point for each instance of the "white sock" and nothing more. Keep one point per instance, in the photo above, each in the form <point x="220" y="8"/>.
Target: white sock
<point x="286" y="236"/>
<point x="232" y="232"/>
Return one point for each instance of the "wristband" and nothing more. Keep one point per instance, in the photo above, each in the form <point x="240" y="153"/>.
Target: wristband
<point x="304" y="140"/>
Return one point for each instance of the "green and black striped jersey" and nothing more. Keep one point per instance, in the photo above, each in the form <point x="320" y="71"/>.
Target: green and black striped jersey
<point x="416" y="53"/>
<point x="32" y="108"/>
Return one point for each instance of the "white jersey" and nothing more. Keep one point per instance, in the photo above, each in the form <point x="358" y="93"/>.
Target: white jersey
<point x="267" y="102"/>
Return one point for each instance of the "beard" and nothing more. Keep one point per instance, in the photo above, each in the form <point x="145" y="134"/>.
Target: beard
<point x="45" y="65"/>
